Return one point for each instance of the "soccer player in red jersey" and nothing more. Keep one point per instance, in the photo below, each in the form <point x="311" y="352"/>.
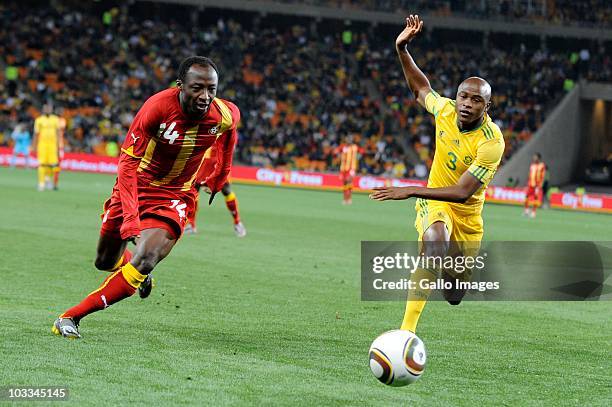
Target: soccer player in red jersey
<point x="207" y="168"/>
<point x="349" y="158"/>
<point x="154" y="194"/>
<point x="537" y="173"/>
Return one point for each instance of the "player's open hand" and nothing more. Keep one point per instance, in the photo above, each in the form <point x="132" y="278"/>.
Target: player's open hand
<point x="391" y="193"/>
<point x="414" y="25"/>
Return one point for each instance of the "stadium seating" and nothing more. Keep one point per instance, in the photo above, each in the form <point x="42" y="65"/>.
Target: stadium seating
<point x="302" y="88"/>
<point x="597" y="13"/>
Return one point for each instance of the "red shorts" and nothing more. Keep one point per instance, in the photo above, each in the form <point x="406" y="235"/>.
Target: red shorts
<point x="347" y="176"/>
<point x="534" y="195"/>
<point x="157" y="207"/>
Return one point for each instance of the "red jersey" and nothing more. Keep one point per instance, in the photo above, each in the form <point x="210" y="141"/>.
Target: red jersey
<point x="164" y="148"/>
<point x="536" y="175"/>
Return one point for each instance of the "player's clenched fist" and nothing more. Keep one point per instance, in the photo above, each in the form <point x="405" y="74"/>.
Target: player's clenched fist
<point x="414" y="25"/>
<point x="391" y="193"/>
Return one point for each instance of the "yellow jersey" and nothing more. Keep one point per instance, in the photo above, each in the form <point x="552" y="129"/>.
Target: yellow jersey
<point x="47" y="127"/>
<point x="478" y="151"/>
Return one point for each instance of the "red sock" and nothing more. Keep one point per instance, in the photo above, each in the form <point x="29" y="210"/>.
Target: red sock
<point x="114" y="288"/>
<point x="232" y="205"/>
<point x="55" y="178"/>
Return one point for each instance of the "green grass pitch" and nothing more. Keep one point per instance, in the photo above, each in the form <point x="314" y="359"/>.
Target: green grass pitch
<point x="276" y="318"/>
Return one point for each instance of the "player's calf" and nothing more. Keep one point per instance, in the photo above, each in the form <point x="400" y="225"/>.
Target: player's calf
<point x="146" y="261"/>
<point x="110" y="264"/>
<point x="111" y="254"/>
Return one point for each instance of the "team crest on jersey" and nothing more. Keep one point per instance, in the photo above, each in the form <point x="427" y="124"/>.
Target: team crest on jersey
<point x="467" y="160"/>
<point x="214" y="130"/>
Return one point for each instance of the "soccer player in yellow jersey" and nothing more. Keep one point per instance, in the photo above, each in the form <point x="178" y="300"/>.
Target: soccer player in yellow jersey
<point x="469" y="147"/>
<point x="47" y="128"/>
<point x="58" y="168"/>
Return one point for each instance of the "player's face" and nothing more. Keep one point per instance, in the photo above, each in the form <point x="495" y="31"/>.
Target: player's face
<point x="471" y="103"/>
<point x="535" y="159"/>
<point x="198" y="90"/>
<point x="47" y="109"/>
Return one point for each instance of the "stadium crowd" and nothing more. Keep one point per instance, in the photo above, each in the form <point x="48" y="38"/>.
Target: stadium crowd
<point x="302" y="90"/>
<point x="594" y="13"/>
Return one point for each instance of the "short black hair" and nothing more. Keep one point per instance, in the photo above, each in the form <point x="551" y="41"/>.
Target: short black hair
<point x="194" y="60"/>
<point x="539" y="156"/>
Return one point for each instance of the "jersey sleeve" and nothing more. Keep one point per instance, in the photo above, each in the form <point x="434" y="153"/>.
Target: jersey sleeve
<point x="434" y="103"/>
<point x="224" y="147"/>
<point x="145" y="123"/>
<point x="488" y="157"/>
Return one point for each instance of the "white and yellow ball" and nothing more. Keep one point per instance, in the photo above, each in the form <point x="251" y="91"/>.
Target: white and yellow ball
<point x="397" y="358"/>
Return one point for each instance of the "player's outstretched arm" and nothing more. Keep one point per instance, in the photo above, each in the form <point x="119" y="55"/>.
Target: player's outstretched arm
<point x="459" y="193"/>
<point x="417" y="81"/>
<point x="226" y="144"/>
<point x="147" y="122"/>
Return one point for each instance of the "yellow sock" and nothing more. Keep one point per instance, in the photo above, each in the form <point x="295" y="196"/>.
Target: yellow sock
<point x="41" y="175"/>
<point x="230" y="197"/>
<point x="132" y="276"/>
<point x="417" y="298"/>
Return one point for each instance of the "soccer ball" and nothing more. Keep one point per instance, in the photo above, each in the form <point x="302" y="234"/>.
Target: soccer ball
<point x="397" y="358"/>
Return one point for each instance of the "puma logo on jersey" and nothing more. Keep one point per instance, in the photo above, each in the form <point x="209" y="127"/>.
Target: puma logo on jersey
<point x="134" y="137"/>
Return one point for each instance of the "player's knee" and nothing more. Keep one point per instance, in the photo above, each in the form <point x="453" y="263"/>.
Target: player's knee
<point x="436" y="248"/>
<point x="436" y="240"/>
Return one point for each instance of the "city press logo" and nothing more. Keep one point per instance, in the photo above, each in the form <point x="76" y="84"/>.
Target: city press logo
<point x="289" y="177"/>
<point x="213" y="130"/>
<point x="585" y="201"/>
